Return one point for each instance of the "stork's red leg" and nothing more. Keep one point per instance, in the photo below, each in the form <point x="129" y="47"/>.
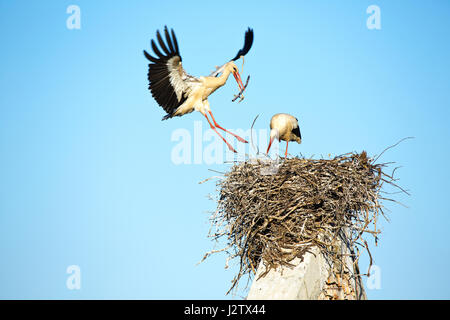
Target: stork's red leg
<point x="285" y="154"/>
<point x="234" y="135"/>
<point x="212" y="127"/>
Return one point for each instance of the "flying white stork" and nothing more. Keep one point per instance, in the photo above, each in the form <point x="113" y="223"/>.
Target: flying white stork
<point x="179" y="93"/>
<point x="285" y="127"/>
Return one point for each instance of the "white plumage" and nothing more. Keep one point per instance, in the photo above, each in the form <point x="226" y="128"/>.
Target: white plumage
<point x="284" y="127"/>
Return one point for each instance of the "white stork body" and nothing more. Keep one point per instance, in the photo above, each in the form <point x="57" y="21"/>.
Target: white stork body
<point x="179" y="93"/>
<point x="200" y="89"/>
<point x="284" y="127"/>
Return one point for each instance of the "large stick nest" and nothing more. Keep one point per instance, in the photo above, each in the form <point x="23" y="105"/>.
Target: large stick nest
<point x="276" y="211"/>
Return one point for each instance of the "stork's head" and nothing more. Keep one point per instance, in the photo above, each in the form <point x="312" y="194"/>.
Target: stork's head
<point x="231" y="67"/>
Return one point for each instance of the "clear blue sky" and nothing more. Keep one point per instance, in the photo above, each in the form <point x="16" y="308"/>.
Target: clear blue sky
<point x="86" y="172"/>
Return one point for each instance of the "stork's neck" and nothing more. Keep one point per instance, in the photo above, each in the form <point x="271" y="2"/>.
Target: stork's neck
<point x="274" y="134"/>
<point x="224" y="77"/>
<point x="217" y="82"/>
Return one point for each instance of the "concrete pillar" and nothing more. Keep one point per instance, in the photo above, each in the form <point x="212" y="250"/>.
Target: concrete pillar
<point x="314" y="278"/>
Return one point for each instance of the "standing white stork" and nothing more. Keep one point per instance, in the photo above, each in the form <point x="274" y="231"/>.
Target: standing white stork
<point x="179" y="93"/>
<point x="285" y="127"/>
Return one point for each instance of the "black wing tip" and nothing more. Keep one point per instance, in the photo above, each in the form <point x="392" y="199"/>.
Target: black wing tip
<point x="248" y="42"/>
<point x="296" y="131"/>
<point x="149" y="57"/>
<point x="167" y="116"/>
<point x="169" y="47"/>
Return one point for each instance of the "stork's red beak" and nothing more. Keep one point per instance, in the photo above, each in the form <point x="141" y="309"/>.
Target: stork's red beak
<point x="237" y="76"/>
<point x="270" y="144"/>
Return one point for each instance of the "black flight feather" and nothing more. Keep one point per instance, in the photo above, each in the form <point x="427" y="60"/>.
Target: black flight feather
<point x="159" y="72"/>
<point x="161" y="43"/>
<point x="296" y="132"/>
<point x="248" y="41"/>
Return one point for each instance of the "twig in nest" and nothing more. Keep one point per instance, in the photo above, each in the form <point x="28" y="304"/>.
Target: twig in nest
<point x="375" y="160"/>
<point x="251" y="135"/>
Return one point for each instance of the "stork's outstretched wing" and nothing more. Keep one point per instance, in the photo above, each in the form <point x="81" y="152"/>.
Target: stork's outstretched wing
<point x="248" y="42"/>
<point x="168" y="82"/>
